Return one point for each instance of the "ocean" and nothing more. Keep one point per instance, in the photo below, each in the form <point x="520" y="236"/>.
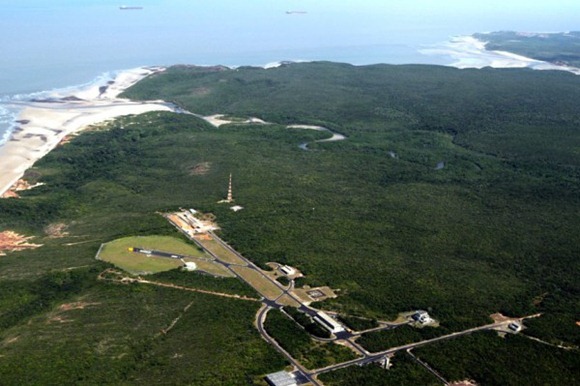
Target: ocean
<point x="48" y="45"/>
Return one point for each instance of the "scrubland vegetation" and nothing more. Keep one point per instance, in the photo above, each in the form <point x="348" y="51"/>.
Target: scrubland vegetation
<point x="496" y="229"/>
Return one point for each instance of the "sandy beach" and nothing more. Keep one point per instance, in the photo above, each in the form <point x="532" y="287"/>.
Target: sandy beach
<point x="469" y="52"/>
<point x="42" y="124"/>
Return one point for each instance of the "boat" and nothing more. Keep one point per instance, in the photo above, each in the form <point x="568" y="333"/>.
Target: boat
<point x="127" y="7"/>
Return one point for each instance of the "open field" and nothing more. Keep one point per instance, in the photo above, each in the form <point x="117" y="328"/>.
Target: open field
<point x="265" y="287"/>
<point x="211" y="267"/>
<point x="117" y="253"/>
<point x="223" y="253"/>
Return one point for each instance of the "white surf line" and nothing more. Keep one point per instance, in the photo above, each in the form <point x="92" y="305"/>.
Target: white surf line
<point x="43" y="123"/>
<point x="469" y="52"/>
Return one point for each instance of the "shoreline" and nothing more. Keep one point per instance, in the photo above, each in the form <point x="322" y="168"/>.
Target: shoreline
<point x="469" y="52"/>
<point x="43" y="123"/>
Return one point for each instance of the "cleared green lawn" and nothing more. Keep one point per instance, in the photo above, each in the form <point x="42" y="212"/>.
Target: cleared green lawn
<point x="117" y="253"/>
<point x="221" y="252"/>
<point x="260" y="283"/>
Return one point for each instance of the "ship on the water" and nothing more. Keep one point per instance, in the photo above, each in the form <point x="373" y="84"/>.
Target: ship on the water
<point x="127" y="7"/>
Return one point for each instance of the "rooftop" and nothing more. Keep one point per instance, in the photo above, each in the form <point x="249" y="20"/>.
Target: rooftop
<point x="281" y="378"/>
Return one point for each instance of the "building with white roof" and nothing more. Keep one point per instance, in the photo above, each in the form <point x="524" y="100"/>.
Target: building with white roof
<point x="328" y="323"/>
<point x="281" y="378"/>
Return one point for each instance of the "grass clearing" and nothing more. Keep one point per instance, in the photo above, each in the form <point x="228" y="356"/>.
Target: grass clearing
<point x="222" y="252"/>
<point x="260" y="283"/>
<point x="117" y="253"/>
<point x="212" y="268"/>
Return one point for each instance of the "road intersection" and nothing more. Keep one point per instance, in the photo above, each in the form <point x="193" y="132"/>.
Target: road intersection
<point x="348" y="337"/>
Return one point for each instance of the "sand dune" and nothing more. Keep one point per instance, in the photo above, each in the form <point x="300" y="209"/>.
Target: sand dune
<point x="44" y="123"/>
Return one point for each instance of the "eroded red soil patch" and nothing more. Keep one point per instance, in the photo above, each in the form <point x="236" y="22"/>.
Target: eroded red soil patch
<point x="66" y="139"/>
<point x="19" y="186"/>
<point x="12" y="241"/>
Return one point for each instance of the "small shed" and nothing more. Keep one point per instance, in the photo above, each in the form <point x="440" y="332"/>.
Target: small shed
<point x="281" y="378"/>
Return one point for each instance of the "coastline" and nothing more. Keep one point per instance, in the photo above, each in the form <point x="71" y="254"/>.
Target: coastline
<point x="469" y="52"/>
<point x="43" y="123"/>
<point x="46" y="118"/>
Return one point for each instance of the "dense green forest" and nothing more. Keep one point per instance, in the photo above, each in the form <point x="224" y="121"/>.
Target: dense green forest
<point x="114" y="334"/>
<point x="493" y="230"/>
<point x="403" y="372"/>
<point x="560" y="48"/>
<point x="382" y="340"/>
<point x="356" y="323"/>
<point x="490" y="360"/>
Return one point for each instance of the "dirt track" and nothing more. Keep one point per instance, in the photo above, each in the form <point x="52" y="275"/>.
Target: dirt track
<point x="126" y="280"/>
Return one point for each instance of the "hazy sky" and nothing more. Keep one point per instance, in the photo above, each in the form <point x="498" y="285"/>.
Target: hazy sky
<point x="264" y="22"/>
<point x="88" y="36"/>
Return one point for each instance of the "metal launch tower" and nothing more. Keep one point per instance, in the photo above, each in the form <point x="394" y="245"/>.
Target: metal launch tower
<point x="230" y="197"/>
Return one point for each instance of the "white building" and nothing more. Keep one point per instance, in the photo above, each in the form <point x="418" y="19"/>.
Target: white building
<point x="328" y="323"/>
<point x="190" y="266"/>
<point x="281" y="378"/>
<point x="422" y="317"/>
<point x="287" y="270"/>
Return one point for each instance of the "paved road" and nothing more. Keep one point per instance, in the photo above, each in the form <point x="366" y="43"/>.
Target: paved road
<point x="256" y="268"/>
<point x="261" y="318"/>
<point x="378" y="355"/>
<point x="267" y="304"/>
<point x="167" y="254"/>
<point x="366" y="357"/>
<point x="428" y="368"/>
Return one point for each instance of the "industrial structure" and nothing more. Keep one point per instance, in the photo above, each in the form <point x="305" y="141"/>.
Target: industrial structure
<point x="186" y="221"/>
<point x="230" y="197"/>
<point x="422" y="317"/>
<point x="328" y="323"/>
<point x="281" y="378"/>
<point x="287" y="270"/>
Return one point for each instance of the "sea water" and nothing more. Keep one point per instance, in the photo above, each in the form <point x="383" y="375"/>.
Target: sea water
<point x="49" y="45"/>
